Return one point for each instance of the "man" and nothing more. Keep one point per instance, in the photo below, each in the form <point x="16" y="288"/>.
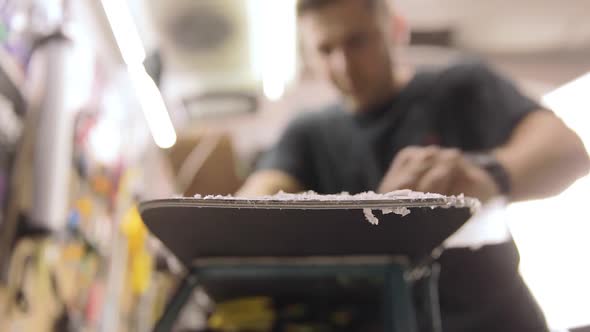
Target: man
<point x="463" y="129"/>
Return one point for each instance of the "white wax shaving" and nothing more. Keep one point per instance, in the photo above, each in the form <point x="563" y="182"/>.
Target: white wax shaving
<point x="402" y="211"/>
<point x="370" y="217"/>
<point x="450" y="201"/>
<point x="219" y="197"/>
<point x="344" y="196"/>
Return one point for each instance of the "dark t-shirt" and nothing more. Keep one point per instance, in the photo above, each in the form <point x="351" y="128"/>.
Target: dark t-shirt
<point x="466" y="106"/>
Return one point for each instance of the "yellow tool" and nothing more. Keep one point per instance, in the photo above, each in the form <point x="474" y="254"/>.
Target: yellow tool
<point x="247" y="314"/>
<point x="140" y="260"/>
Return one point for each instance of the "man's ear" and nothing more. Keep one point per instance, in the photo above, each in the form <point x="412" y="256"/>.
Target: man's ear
<point x="401" y="30"/>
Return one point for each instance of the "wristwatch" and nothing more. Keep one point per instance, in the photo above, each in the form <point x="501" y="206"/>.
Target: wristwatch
<point x="489" y="163"/>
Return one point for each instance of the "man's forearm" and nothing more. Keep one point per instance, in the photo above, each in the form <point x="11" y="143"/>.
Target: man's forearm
<point x="543" y="157"/>
<point x="268" y="182"/>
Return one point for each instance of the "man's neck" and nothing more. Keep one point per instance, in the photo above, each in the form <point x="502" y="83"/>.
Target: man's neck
<point x="401" y="78"/>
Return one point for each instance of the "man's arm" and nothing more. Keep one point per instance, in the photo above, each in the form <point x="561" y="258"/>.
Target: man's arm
<point x="286" y="166"/>
<point x="543" y="157"/>
<point x="269" y="182"/>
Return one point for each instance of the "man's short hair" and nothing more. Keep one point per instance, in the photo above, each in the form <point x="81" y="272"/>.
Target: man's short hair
<point x="304" y="6"/>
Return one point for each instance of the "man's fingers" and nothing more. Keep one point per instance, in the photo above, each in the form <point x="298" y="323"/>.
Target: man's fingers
<point x="438" y="179"/>
<point x="408" y="167"/>
<point x="450" y="156"/>
<point x="423" y="169"/>
<point x="397" y="183"/>
<point x="413" y="156"/>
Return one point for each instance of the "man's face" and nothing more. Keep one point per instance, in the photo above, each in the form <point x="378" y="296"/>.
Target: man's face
<point x="348" y="43"/>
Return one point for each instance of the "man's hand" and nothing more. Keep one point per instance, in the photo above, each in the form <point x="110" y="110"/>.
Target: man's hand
<point x="438" y="170"/>
<point x="269" y="182"/>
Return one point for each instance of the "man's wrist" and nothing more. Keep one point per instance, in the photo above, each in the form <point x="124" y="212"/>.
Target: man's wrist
<point x="494" y="168"/>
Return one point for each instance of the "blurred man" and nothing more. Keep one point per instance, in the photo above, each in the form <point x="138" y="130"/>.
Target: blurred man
<point x="463" y="129"/>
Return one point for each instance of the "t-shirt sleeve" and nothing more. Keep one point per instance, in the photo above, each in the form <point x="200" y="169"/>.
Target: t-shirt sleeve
<point x="291" y="154"/>
<point x="490" y="108"/>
